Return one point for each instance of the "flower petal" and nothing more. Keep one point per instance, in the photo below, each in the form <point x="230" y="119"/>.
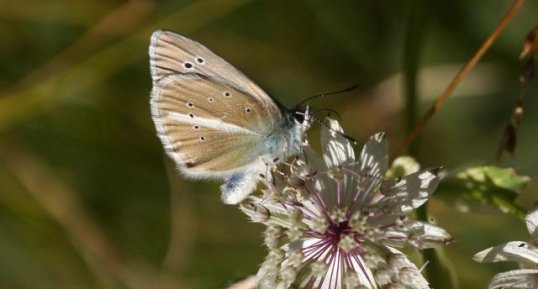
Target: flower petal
<point x="515" y="251"/>
<point x="429" y="236"/>
<point x="532" y="222"/>
<point x="373" y="164"/>
<point x="412" y="278"/>
<point x="408" y="193"/>
<point x="515" y="279"/>
<point x="404" y="271"/>
<point x="337" y="149"/>
<point x="417" y="234"/>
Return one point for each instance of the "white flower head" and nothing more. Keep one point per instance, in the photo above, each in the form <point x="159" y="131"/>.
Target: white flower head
<point x="524" y="253"/>
<point x="333" y="221"/>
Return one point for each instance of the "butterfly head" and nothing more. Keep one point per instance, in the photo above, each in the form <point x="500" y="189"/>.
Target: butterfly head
<point x="293" y="133"/>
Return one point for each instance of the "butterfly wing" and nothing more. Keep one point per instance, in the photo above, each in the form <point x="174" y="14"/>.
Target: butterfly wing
<point x="171" y="54"/>
<point x="207" y="127"/>
<point x="213" y="121"/>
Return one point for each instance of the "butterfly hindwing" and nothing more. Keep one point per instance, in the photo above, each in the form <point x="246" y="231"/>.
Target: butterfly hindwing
<point x="199" y="97"/>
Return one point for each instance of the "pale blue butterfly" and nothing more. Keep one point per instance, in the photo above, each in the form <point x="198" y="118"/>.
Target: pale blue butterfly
<point x="213" y="121"/>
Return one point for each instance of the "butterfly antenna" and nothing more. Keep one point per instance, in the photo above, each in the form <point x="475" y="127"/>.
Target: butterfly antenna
<point x="323" y="123"/>
<point x="327" y="94"/>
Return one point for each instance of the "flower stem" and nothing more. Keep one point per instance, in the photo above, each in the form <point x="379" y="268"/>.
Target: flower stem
<point x="417" y="18"/>
<point x="416" y="26"/>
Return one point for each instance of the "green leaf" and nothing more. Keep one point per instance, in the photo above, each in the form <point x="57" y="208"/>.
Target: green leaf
<point x="501" y="177"/>
<point x="483" y="189"/>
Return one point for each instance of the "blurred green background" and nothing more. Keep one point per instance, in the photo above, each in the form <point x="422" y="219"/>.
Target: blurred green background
<point x="87" y="197"/>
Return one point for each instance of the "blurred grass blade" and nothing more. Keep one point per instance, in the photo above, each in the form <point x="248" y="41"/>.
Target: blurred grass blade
<point x="22" y="103"/>
<point x="121" y="20"/>
<point x="60" y="201"/>
<point x="458" y="78"/>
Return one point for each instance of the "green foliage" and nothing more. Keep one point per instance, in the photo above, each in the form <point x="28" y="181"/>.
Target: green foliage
<point x="484" y="189"/>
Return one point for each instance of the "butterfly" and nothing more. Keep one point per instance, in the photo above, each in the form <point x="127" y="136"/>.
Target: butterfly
<point x="213" y="121"/>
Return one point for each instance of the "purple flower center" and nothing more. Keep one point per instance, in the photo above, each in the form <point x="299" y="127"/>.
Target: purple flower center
<point x="335" y="230"/>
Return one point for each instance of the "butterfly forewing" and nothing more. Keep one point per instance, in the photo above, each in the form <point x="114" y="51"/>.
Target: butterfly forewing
<point x="198" y="100"/>
<point x="172" y="54"/>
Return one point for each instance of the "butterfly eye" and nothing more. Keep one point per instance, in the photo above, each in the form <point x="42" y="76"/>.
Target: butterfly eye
<point x="200" y="60"/>
<point x="190" y="104"/>
<point x="202" y="138"/>
<point x="298" y="116"/>
<point x="248" y="109"/>
<point x="227" y="94"/>
<point x="196" y="127"/>
<point x="191" y="115"/>
<point x="210" y="99"/>
<point x="188" y="65"/>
